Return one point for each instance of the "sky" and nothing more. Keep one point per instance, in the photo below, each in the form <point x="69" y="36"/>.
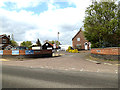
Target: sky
<point x="29" y="20"/>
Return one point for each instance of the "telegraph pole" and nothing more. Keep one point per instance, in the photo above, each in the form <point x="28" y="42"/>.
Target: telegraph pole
<point x="58" y="38"/>
<point x="58" y="42"/>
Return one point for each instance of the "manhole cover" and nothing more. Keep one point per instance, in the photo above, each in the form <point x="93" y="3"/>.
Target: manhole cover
<point x="98" y="63"/>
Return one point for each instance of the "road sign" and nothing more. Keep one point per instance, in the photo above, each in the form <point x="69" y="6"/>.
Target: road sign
<point x="15" y="52"/>
<point x="1" y="52"/>
<point x="28" y="52"/>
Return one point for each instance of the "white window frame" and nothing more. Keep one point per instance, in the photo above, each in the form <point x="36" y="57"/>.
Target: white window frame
<point x="4" y="41"/>
<point x="78" y="39"/>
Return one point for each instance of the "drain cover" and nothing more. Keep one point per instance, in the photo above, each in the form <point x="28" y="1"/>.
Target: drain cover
<point x="98" y="63"/>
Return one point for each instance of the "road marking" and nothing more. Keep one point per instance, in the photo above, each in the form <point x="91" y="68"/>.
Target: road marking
<point x="31" y="67"/>
<point x="41" y="67"/>
<point x="92" y="61"/>
<point x="117" y="64"/>
<point x="46" y="66"/>
<point x="98" y="70"/>
<point x="108" y="63"/>
<point x="4" y="60"/>
<point x="72" y="68"/>
<point x="103" y="63"/>
<point x="81" y="69"/>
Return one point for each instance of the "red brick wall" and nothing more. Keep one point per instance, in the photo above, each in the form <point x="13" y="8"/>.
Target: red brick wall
<point x="42" y="51"/>
<point x="82" y="40"/>
<point x="22" y="52"/>
<point x="0" y="40"/>
<point x="106" y="51"/>
<point x="7" y="52"/>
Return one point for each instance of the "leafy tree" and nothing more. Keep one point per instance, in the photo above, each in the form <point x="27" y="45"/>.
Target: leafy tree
<point x="55" y="42"/>
<point x="101" y="23"/>
<point x="27" y="44"/>
<point x="118" y="31"/>
<point x="38" y="42"/>
<point x="13" y="43"/>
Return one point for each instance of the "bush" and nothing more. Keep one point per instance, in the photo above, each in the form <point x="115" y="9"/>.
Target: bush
<point x="72" y="51"/>
<point x="76" y="51"/>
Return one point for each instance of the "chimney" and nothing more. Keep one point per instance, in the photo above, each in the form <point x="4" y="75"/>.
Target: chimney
<point x="8" y="36"/>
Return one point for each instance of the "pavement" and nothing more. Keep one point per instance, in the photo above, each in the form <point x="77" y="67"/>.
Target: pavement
<point x="66" y="61"/>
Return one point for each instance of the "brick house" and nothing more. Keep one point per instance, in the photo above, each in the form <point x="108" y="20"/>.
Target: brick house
<point x="4" y="41"/>
<point x="79" y="41"/>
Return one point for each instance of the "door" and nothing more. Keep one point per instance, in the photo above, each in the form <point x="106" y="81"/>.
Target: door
<point x="86" y="46"/>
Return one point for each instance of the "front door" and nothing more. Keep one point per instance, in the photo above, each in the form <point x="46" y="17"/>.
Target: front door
<point x="86" y="46"/>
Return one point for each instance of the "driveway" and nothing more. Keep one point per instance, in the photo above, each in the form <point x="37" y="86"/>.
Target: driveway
<point x="67" y="62"/>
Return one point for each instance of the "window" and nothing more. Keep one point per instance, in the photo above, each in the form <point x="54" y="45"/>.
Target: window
<point x="78" y="46"/>
<point x="4" y="41"/>
<point x="46" y="44"/>
<point x="78" y="39"/>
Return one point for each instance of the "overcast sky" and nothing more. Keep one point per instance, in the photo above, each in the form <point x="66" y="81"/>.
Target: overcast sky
<point x="32" y="19"/>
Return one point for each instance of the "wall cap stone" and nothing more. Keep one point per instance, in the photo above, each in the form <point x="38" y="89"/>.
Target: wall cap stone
<point x="105" y="48"/>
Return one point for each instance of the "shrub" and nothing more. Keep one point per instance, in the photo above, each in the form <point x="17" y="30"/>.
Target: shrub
<point x="76" y="51"/>
<point x="72" y="51"/>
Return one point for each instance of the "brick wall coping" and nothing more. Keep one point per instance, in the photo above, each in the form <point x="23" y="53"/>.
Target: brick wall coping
<point x="105" y="48"/>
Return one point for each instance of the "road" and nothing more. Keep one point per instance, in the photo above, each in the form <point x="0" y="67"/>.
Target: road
<point x="26" y="77"/>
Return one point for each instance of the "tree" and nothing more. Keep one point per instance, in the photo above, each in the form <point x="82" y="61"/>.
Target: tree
<point x="38" y="42"/>
<point x="101" y="23"/>
<point x="118" y="14"/>
<point x="55" y="42"/>
<point x="13" y="43"/>
<point x="27" y="44"/>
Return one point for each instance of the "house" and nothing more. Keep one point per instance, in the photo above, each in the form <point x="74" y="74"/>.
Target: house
<point x="36" y="47"/>
<point x="5" y="42"/>
<point x="47" y="46"/>
<point x="79" y="41"/>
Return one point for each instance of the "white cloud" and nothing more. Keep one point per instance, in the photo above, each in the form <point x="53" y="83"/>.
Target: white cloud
<point x="30" y="26"/>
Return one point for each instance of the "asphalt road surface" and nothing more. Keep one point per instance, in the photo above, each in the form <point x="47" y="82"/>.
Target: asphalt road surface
<point x="24" y="77"/>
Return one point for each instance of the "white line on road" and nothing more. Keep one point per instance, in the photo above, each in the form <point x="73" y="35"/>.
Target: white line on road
<point x="81" y="69"/>
<point x="72" y="68"/>
<point x="108" y="63"/>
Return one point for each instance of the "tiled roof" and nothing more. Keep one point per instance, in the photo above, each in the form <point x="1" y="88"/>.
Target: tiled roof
<point x="76" y="34"/>
<point x="4" y="35"/>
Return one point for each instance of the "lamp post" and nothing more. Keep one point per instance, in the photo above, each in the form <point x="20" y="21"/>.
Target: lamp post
<point x="58" y="42"/>
<point x="58" y="38"/>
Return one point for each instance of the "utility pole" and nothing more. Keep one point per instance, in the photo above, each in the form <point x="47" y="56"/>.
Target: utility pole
<point x="58" y="38"/>
<point x="58" y="42"/>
